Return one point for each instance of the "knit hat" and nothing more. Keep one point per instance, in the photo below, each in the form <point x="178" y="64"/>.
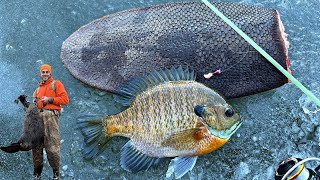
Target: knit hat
<point x="46" y="66"/>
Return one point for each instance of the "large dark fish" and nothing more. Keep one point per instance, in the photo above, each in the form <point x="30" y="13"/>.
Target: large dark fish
<point x="168" y="115"/>
<point x="118" y="47"/>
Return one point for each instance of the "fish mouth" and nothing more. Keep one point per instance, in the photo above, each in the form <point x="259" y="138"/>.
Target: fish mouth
<point x="225" y="134"/>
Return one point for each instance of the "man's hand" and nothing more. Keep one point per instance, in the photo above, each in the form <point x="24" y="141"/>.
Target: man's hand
<point x="45" y="100"/>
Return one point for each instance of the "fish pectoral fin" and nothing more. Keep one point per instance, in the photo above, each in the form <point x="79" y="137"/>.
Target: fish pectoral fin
<point x="189" y="137"/>
<point x="133" y="160"/>
<point x="181" y="166"/>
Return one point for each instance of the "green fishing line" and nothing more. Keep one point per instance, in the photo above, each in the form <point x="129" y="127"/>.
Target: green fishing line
<point x="263" y="53"/>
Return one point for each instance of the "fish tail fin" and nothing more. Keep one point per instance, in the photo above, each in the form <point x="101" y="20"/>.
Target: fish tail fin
<point x="95" y="137"/>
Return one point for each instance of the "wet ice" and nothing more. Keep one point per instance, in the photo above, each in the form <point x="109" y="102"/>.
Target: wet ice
<point x="277" y="124"/>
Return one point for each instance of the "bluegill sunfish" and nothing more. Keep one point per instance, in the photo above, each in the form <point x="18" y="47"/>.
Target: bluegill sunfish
<point x="169" y="114"/>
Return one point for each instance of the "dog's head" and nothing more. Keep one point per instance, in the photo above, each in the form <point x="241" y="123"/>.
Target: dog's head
<point x="23" y="100"/>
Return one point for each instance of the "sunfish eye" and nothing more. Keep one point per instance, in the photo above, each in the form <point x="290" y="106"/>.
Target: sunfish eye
<point x="229" y="112"/>
<point x="198" y="110"/>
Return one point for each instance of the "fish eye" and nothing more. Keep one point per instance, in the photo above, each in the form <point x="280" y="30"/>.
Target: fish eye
<point x="229" y="112"/>
<point x="198" y="110"/>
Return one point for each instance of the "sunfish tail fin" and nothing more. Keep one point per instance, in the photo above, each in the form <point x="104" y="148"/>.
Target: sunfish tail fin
<point x="95" y="137"/>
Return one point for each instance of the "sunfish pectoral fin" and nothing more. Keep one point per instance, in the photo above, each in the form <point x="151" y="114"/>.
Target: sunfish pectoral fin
<point x="133" y="160"/>
<point x="189" y="137"/>
<point x="181" y="166"/>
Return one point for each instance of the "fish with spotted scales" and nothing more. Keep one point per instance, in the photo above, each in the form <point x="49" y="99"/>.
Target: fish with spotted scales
<point x="168" y="114"/>
<point x="118" y="47"/>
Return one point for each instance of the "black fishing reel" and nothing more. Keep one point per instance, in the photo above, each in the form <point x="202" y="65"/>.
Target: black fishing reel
<point x="294" y="169"/>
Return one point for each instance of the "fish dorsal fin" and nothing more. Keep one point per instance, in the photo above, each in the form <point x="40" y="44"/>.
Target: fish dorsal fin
<point x="189" y="136"/>
<point x="133" y="160"/>
<point x="129" y="90"/>
<point x="181" y="166"/>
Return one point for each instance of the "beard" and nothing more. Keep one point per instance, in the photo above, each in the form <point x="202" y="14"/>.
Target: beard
<point x="45" y="78"/>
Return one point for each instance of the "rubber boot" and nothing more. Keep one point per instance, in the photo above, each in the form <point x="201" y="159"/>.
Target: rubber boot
<point x="37" y="172"/>
<point x="55" y="174"/>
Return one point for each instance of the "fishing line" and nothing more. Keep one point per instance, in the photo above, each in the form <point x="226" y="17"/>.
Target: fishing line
<point x="263" y="53"/>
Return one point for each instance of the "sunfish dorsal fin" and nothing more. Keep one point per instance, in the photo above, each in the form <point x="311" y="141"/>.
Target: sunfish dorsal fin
<point x="128" y="91"/>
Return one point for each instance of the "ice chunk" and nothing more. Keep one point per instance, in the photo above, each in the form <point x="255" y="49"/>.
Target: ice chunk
<point x="310" y="109"/>
<point x="242" y="171"/>
<point x="9" y="47"/>
<point x="23" y="21"/>
<point x="307" y="105"/>
<point x="65" y="167"/>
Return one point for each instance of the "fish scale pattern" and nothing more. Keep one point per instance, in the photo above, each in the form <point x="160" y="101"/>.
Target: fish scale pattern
<point x="158" y="113"/>
<point x="115" y="48"/>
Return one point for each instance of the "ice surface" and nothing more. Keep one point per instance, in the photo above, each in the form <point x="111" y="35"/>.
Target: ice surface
<point x="9" y="88"/>
<point x="277" y="124"/>
<point x="242" y="171"/>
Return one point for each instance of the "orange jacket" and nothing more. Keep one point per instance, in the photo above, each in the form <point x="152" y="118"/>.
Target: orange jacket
<point x="60" y="96"/>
